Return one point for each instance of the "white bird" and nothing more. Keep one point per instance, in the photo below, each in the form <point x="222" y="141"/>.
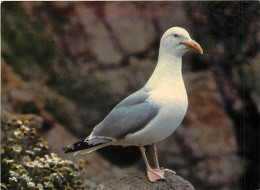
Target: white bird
<point x="152" y="113"/>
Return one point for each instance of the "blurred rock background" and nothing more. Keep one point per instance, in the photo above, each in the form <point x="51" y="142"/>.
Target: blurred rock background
<point x="65" y="65"/>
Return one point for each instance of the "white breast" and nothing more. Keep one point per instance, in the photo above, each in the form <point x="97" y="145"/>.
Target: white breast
<point x="167" y="91"/>
<point x="173" y="105"/>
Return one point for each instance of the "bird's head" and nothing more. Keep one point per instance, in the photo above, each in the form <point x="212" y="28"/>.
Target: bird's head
<point x="177" y="41"/>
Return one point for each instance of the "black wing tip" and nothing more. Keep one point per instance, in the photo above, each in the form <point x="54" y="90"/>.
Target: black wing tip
<point x="68" y="149"/>
<point x="75" y="147"/>
<point x="83" y="144"/>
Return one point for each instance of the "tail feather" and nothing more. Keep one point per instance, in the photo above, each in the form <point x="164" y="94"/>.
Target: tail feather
<point x="89" y="145"/>
<point x="89" y="150"/>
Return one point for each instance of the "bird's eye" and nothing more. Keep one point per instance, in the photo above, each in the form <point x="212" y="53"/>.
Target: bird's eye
<point x="176" y="35"/>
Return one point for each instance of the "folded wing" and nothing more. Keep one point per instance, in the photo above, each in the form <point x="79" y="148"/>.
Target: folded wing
<point x="129" y="116"/>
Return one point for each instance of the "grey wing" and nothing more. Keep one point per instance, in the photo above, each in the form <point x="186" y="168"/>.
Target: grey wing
<point x="129" y="116"/>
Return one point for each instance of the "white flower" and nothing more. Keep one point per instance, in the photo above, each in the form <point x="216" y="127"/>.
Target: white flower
<point x="47" y="156"/>
<point x="3" y="185"/>
<point x="25" y="128"/>
<point x="30" y="184"/>
<point x="19" y="122"/>
<point x="29" y="164"/>
<point x="9" y="161"/>
<point x="18" y="134"/>
<point x="37" y="149"/>
<point x="53" y="155"/>
<point x="26" y="178"/>
<point x="13" y="179"/>
<point x="13" y="173"/>
<point x="17" y="148"/>
<point x="47" y="183"/>
<point x="68" y="162"/>
<point x="19" y="166"/>
<point x="38" y="164"/>
<point x="46" y="165"/>
<point x="40" y="186"/>
<point x="30" y="152"/>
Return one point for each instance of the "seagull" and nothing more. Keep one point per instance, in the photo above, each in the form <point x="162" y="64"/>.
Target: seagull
<point x="152" y="113"/>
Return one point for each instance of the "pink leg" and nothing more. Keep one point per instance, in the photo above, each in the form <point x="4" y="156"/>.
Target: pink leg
<point x="155" y="158"/>
<point x="153" y="174"/>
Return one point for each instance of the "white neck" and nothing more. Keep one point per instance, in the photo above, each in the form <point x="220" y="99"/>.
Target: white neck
<point x="167" y="72"/>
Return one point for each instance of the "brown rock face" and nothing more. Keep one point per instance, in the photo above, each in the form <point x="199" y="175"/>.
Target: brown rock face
<point x="205" y="144"/>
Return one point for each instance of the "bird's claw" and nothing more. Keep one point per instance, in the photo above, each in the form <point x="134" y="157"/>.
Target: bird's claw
<point x="168" y="170"/>
<point x="155" y="174"/>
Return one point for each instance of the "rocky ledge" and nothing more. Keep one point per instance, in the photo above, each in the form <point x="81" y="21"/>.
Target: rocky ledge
<point x="139" y="181"/>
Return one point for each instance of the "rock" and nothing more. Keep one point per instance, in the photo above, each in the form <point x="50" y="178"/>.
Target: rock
<point x="206" y="122"/>
<point x="97" y="41"/>
<point x="218" y="171"/>
<point x="128" y="23"/>
<point x="15" y="93"/>
<point x="128" y="79"/>
<point x="252" y="78"/>
<point x="18" y="97"/>
<point x="139" y="181"/>
<point x="165" y="17"/>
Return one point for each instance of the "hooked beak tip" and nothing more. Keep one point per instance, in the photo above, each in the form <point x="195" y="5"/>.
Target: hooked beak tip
<point x="193" y="46"/>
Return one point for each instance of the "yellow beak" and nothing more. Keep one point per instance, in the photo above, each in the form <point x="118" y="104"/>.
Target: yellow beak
<point x="193" y="46"/>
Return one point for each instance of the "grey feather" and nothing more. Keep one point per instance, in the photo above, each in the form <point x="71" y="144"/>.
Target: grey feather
<point x="98" y="141"/>
<point x="136" y="98"/>
<point x="129" y="116"/>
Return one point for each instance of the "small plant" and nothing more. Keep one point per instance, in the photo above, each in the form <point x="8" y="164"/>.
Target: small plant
<point x="27" y="163"/>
